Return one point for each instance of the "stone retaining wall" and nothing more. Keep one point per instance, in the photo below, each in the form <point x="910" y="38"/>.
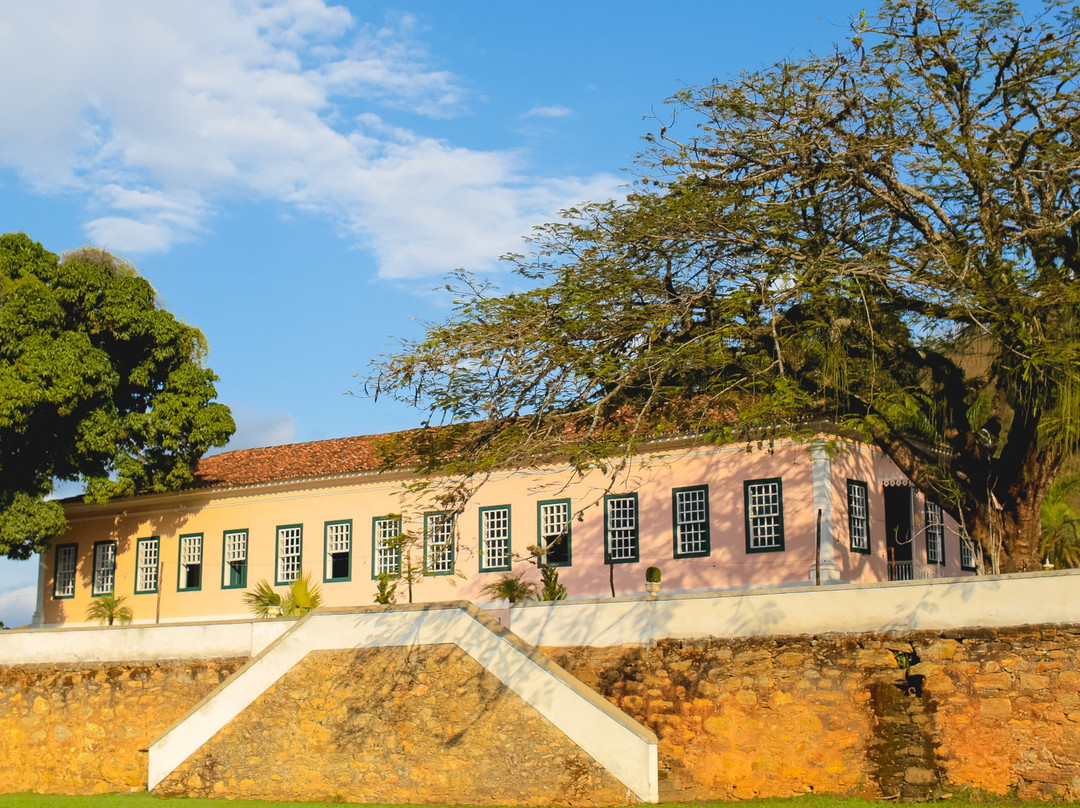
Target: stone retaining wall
<point x="914" y="715"/>
<point x="381" y="725"/>
<point x="84" y="728"/>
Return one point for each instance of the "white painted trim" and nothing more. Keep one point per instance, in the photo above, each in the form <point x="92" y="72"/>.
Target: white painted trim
<point x="943" y="603"/>
<point x="623" y="747"/>
<point x="822" y="481"/>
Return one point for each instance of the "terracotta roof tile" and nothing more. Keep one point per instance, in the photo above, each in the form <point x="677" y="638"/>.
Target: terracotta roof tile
<point x="294" y="461"/>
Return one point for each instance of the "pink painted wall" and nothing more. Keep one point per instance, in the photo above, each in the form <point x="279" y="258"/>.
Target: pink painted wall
<point x="261" y="509"/>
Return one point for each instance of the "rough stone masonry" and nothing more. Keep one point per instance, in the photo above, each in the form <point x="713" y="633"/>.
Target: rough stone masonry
<point x="910" y="715"/>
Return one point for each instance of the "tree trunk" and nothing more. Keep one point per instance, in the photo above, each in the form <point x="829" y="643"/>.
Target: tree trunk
<point x="1008" y="526"/>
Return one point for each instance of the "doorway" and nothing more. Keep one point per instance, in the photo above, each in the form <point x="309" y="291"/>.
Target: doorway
<point x="898" y="532"/>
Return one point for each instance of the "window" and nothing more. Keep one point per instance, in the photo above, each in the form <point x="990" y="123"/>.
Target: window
<point x="495" y="539"/>
<point x="104" y="568"/>
<point x="935" y="534"/>
<point x="189" y="574"/>
<point x="385" y="546"/>
<point x="290" y="544"/>
<point x="338" y="543"/>
<point x="690" y="521"/>
<point x="234" y="550"/>
<point x="967" y="555"/>
<point x="764" y="503"/>
<point x="620" y="529"/>
<point x="439" y="543"/>
<point x="146" y="565"/>
<point x="858" y="510"/>
<point x="64" y="571"/>
<point x="553" y="517"/>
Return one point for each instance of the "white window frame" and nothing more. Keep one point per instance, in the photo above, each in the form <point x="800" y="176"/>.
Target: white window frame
<point x="337" y="540"/>
<point x="67" y="560"/>
<point x="290" y="551"/>
<point x="147" y="565"/>
<point x="385" y="546"/>
<point x="764" y="504"/>
<point x="690" y="521"/>
<point x="234" y="557"/>
<point x="554" y="528"/>
<point x="935" y="534"/>
<point x="495" y="539"/>
<point x="621" y="523"/>
<point x="858" y="497"/>
<point x="439" y="543"/>
<point x="104" y="575"/>
<point x="190" y="560"/>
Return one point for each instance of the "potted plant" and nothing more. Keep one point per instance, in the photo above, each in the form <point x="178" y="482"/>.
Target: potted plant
<point x="652" y="580"/>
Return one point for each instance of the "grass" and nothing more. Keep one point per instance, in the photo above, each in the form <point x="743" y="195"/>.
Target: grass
<point x="144" y="800"/>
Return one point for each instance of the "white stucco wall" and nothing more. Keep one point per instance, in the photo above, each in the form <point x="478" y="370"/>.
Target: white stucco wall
<point x="989" y="601"/>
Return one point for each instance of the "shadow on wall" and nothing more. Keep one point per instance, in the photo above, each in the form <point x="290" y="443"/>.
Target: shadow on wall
<point x="945" y="603"/>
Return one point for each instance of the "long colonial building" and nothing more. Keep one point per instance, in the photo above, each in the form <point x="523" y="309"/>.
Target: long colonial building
<point x="711" y="518"/>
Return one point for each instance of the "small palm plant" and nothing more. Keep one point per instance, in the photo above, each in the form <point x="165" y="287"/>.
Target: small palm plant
<point x="108" y="609"/>
<point x="386" y="594"/>
<point x="301" y="597"/>
<point x="511" y="588"/>
<point x="552" y="589"/>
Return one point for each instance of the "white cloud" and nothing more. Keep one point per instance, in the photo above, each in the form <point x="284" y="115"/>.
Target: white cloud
<point x="160" y="113"/>
<point x="548" y="112"/>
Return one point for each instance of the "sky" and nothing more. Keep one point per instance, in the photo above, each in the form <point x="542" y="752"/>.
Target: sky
<point x="297" y="177"/>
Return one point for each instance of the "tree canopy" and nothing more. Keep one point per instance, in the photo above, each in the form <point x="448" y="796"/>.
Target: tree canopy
<point x="98" y="384"/>
<point x="886" y="237"/>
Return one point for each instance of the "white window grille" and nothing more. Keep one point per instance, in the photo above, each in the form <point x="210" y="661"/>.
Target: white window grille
<point x="764" y="515"/>
<point x="495" y="539"/>
<point x="338" y="548"/>
<point x="289" y="547"/>
<point x="235" y="551"/>
<point x="967" y="554"/>
<point x="439" y="542"/>
<point x="691" y="506"/>
<point x="64" y="580"/>
<point x="935" y="534"/>
<point x="555" y="531"/>
<point x="146" y="565"/>
<point x="387" y="533"/>
<point x="191" y="561"/>
<point x="621" y="528"/>
<point x="104" y="568"/>
<point x="858" y="516"/>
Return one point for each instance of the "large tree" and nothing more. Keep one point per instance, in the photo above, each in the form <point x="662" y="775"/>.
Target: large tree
<point x="886" y="237"/>
<point x="98" y="384"/>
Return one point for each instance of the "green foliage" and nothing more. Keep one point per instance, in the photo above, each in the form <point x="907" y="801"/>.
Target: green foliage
<point x="550" y="588"/>
<point x="885" y="238"/>
<point x="97" y="383"/>
<point x="510" y="588"/>
<point x="386" y="594"/>
<point x="109" y="609"/>
<point x="1060" y="543"/>
<point x="301" y="597"/>
<point x="652" y="575"/>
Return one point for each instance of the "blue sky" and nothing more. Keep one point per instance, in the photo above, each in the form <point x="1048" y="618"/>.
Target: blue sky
<point x="296" y="178"/>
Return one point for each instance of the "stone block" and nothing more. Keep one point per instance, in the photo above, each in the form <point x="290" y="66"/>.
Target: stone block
<point x="1034" y="681"/>
<point x="995" y="708"/>
<point x="993" y="681"/>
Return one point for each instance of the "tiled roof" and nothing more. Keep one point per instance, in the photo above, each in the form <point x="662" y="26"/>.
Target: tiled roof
<point x="294" y="461"/>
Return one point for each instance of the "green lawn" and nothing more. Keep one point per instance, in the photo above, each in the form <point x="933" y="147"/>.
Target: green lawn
<point x="144" y="800"/>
